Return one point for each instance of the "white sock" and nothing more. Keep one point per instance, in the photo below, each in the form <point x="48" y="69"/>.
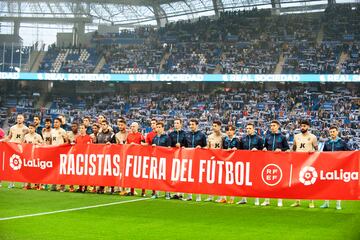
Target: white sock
<point x="327" y="202"/>
<point x="338" y="203"/>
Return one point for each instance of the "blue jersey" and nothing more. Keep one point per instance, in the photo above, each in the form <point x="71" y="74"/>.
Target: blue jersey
<point x="89" y="130"/>
<point x="178" y="137"/>
<point x="194" y="139"/>
<point x="66" y="127"/>
<point x="274" y="141"/>
<point x="249" y="142"/>
<point x="335" y="145"/>
<point x="39" y="129"/>
<point x="231" y="143"/>
<point x="162" y="140"/>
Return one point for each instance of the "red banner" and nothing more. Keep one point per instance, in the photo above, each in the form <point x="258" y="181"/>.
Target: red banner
<point x="206" y="171"/>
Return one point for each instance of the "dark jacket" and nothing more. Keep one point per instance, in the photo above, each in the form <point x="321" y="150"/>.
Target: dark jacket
<point x="274" y="141"/>
<point x="230" y="144"/>
<point x="178" y="137"/>
<point x="105" y="137"/>
<point x="162" y="140"/>
<point x="335" y="145"/>
<point x="249" y="142"/>
<point x="194" y="139"/>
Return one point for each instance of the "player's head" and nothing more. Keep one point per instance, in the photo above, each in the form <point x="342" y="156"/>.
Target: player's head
<point x="101" y="118"/>
<point x="57" y="122"/>
<point x="216" y="126"/>
<point x="74" y="127"/>
<point x="178" y="124"/>
<point x="31" y="128"/>
<point x="95" y="128"/>
<point x="62" y="119"/>
<point x="250" y="128"/>
<point x="193" y="124"/>
<point x="160" y="127"/>
<point x="274" y="126"/>
<point x="134" y="127"/>
<point x="230" y="131"/>
<point x="121" y="123"/>
<point x="153" y="124"/>
<point x="86" y="121"/>
<point x="48" y="123"/>
<point x="104" y="126"/>
<point x="82" y="129"/>
<point x="334" y="132"/>
<point x="304" y="126"/>
<point x="20" y="119"/>
<point x="36" y="120"/>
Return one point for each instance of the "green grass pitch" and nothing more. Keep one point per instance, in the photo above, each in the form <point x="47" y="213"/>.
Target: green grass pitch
<point x="167" y="219"/>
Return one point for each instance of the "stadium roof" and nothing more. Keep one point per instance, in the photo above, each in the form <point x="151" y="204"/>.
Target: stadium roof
<point x="40" y="20"/>
<point x="134" y="12"/>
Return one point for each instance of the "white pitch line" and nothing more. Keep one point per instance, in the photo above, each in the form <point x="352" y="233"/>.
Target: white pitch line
<point x="72" y="209"/>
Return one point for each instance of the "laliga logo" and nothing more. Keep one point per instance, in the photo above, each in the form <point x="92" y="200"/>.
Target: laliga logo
<point x="308" y="175"/>
<point x="15" y="162"/>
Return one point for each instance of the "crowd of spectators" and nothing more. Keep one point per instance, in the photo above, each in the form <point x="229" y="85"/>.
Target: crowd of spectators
<point x="237" y="106"/>
<point x="238" y="42"/>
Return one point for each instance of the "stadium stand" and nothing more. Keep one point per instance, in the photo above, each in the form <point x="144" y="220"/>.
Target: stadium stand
<point x="237" y="106"/>
<point x="237" y="42"/>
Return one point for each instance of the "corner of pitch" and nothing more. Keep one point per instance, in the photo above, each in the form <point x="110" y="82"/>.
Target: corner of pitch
<point x="225" y="172"/>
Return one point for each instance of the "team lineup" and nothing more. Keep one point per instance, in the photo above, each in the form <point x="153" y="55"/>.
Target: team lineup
<point x="57" y="132"/>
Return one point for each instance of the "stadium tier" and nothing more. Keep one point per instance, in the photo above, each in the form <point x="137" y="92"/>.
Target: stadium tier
<point x="324" y="107"/>
<point x="238" y="42"/>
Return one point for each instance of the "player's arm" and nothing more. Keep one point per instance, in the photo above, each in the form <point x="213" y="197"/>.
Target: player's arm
<point x="9" y="136"/>
<point x="266" y="144"/>
<point x="117" y="140"/>
<point x="65" y="137"/>
<point x="315" y="144"/>
<point x="237" y="144"/>
<point x="25" y="140"/>
<point x="168" y="141"/>
<point x="294" y="145"/>
<point x="285" y="144"/>
<point x="153" y="142"/>
<point x="260" y="143"/>
<point x="202" y="142"/>
<point x="113" y="139"/>
<point x="40" y="139"/>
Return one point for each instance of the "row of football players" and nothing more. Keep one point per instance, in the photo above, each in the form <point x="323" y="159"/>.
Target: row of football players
<point x="102" y="133"/>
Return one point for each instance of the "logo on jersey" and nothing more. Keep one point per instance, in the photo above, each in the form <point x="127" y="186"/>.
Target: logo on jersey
<point x="308" y="175"/>
<point x="15" y="162"/>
